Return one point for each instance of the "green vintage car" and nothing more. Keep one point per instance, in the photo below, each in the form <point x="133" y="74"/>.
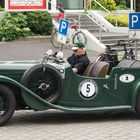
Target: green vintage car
<point x="51" y="84"/>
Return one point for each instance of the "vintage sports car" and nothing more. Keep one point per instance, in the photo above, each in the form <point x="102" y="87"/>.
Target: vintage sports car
<point x="107" y="84"/>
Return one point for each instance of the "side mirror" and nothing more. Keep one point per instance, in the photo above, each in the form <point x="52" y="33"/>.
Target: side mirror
<point x="60" y="55"/>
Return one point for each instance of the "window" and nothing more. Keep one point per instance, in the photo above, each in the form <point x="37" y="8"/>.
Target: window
<point x="2" y="3"/>
<point x="137" y="5"/>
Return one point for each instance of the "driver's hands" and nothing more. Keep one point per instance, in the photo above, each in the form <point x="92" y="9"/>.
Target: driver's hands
<point x="65" y="60"/>
<point x="75" y="70"/>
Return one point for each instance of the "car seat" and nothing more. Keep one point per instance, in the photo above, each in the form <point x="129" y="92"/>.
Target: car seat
<point x="89" y="69"/>
<point x="97" y="69"/>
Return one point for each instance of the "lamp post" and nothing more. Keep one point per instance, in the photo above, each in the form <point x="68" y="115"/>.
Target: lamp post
<point x="131" y="5"/>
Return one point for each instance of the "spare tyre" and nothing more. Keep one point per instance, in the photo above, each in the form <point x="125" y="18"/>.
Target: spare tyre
<point x="45" y="81"/>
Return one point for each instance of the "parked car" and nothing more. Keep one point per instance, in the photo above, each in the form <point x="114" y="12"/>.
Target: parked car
<point x="51" y="84"/>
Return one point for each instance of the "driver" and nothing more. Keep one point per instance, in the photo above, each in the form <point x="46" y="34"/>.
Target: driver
<point x="79" y="59"/>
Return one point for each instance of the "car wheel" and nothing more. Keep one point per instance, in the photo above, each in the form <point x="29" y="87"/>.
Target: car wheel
<point x="45" y="81"/>
<point x="137" y="107"/>
<point x="7" y="104"/>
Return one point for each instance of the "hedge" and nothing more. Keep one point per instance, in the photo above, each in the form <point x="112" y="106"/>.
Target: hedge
<point x="122" y="20"/>
<point x="40" y="22"/>
<point x="22" y="24"/>
<point x="14" y="26"/>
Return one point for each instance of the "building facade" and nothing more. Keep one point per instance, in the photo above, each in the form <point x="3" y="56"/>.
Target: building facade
<point x="137" y="5"/>
<point x="2" y="3"/>
<point x="68" y="4"/>
<point x="80" y="4"/>
<point x="72" y="4"/>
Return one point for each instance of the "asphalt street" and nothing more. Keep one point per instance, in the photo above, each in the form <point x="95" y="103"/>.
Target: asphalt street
<point x="57" y="125"/>
<point x="31" y="50"/>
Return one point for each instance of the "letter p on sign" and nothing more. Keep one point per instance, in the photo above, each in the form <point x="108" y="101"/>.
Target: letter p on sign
<point x="63" y="27"/>
<point x="134" y="21"/>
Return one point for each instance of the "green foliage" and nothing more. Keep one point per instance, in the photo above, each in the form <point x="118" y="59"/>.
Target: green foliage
<point x="14" y="26"/>
<point x="121" y="5"/>
<point x="19" y="24"/>
<point x="87" y="5"/>
<point x="121" y="2"/>
<point x="122" y="20"/>
<point x="1" y="9"/>
<point x="40" y="22"/>
<point x="108" y="4"/>
<point x="117" y="2"/>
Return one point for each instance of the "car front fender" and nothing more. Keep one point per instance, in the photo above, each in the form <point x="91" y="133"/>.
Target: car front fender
<point x="28" y="96"/>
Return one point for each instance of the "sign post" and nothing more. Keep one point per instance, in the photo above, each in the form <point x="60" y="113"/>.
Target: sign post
<point x="134" y="25"/>
<point x="63" y="31"/>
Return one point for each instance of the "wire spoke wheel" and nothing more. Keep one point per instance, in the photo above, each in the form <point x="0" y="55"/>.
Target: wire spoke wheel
<point x="54" y="40"/>
<point x="79" y="37"/>
<point x="45" y="83"/>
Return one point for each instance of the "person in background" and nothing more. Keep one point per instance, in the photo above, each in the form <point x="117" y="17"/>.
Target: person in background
<point x="79" y="59"/>
<point x="61" y="12"/>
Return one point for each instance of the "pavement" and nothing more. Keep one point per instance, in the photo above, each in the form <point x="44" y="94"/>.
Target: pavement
<point x="31" y="50"/>
<point x="58" y="125"/>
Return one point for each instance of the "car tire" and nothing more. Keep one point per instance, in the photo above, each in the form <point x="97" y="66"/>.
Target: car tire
<point x="7" y="104"/>
<point x="137" y="107"/>
<point x="45" y="81"/>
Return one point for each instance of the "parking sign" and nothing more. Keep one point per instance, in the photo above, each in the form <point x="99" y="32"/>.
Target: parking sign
<point x="63" y="27"/>
<point x="134" y="21"/>
<point x="63" y="30"/>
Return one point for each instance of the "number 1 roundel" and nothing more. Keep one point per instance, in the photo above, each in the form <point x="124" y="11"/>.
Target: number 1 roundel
<point x="88" y="89"/>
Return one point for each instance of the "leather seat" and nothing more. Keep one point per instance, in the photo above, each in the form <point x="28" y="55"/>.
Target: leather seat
<point x="97" y="69"/>
<point x="89" y="69"/>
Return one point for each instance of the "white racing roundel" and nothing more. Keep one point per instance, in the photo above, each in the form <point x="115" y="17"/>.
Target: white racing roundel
<point x="88" y="89"/>
<point x="127" y="78"/>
